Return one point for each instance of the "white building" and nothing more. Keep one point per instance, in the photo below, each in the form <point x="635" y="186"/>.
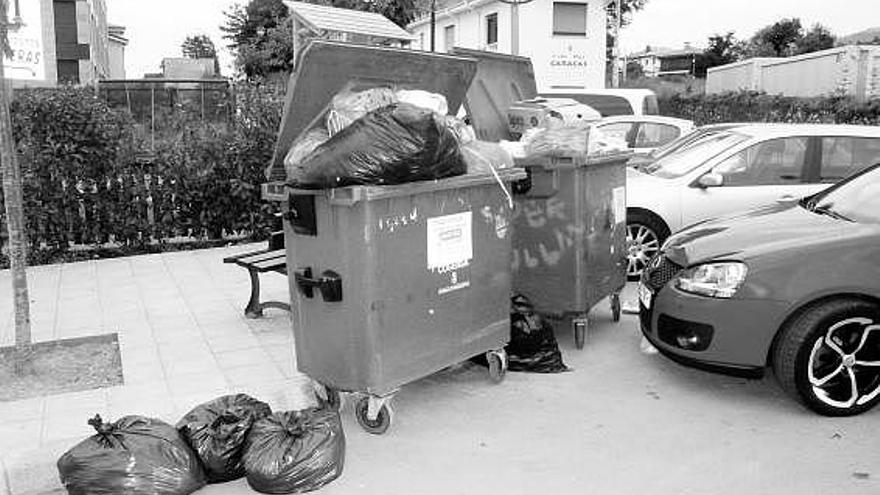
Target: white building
<point x="564" y="40"/>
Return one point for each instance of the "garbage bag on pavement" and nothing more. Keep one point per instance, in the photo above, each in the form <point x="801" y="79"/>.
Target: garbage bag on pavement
<point x="532" y="345"/>
<point x="135" y="456"/>
<point x="216" y="431"/>
<point x="392" y="145"/>
<point x="295" y="451"/>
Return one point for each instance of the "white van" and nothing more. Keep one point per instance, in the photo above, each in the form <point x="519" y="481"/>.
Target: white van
<point x="611" y="102"/>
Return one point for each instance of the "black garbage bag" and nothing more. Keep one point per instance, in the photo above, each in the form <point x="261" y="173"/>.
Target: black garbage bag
<point x="394" y="144"/>
<point x="133" y="456"/>
<point x="216" y="431"/>
<point x="532" y="345"/>
<point x="295" y="451"/>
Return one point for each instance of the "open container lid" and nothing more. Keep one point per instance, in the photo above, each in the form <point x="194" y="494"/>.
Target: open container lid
<point x="500" y="81"/>
<point x="324" y="68"/>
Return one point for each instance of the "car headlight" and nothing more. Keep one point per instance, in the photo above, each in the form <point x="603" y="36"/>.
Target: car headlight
<point x="720" y="279"/>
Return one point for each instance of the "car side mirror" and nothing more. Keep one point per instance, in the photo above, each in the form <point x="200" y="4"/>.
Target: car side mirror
<point x="712" y="179"/>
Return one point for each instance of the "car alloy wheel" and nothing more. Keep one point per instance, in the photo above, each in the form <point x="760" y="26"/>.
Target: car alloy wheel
<point x="844" y="363"/>
<point x="642" y="244"/>
<point x="828" y="357"/>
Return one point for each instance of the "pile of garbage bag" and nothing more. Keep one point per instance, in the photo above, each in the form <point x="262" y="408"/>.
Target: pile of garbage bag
<point x="386" y="136"/>
<point x="216" y="431"/>
<point x="532" y="347"/>
<point x="230" y="437"/>
<point x="135" y="455"/>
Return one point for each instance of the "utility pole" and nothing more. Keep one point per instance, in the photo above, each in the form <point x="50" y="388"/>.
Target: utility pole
<point x="433" y="24"/>
<point x="615" y="70"/>
<point x="12" y="196"/>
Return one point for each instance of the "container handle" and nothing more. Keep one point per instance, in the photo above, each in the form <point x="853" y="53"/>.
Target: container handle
<point x="330" y="284"/>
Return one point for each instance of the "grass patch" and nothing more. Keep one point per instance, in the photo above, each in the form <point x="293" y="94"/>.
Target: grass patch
<point x="60" y="366"/>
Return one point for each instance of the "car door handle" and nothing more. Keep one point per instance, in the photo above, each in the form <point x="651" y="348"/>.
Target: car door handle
<point x="786" y="198"/>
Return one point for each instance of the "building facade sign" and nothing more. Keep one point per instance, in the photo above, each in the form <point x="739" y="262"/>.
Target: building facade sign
<point x="567" y="67"/>
<point x="28" y="60"/>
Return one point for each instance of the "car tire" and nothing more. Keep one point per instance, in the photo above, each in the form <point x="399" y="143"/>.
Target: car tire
<point x="818" y="354"/>
<point x="645" y="233"/>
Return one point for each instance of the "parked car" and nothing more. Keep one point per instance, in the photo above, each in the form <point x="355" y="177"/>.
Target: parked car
<point x="644" y="133"/>
<point x="795" y="287"/>
<point x="679" y="143"/>
<point x="737" y="169"/>
<point x="611" y="101"/>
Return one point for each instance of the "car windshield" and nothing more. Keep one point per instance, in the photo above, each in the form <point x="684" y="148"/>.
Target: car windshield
<point x="856" y="200"/>
<point x="683" y="161"/>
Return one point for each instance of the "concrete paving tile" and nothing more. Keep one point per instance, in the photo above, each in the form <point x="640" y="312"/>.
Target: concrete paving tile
<point x="232" y="343"/>
<point x="182" y="368"/>
<point x="68" y="427"/>
<point x="225" y="325"/>
<point x="190" y="384"/>
<point x="21" y="411"/>
<point x="183" y="348"/>
<point x="130" y="399"/>
<point x="145" y="352"/>
<point x="242" y="357"/>
<point x="62" y="404"/>
<point x="20" y="436"/>
<point x="176" y="335"/>
<point x="254" y="374"/>
<point x="63" y="332"/>
<point x="142" y="373"/>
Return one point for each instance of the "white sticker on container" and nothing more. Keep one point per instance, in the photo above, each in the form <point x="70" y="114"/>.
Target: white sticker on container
<point x="618" y="197"/>
<point x="450" y="241"/>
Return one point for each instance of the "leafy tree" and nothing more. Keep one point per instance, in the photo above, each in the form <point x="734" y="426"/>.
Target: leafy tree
<point x="260" y="32"/>
<point x="817" y="38"/>
<point x="778" y="39"/>
<point x="722" y="49"/>
<point x="627" y="9"/>
<point x="200" y="46"/>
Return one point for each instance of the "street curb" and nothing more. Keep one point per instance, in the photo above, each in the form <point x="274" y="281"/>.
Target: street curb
<point x="33" y="472"/>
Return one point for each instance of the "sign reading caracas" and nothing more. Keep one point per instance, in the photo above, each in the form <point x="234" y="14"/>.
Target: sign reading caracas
<point x="568" y="66"/>
<point x="26" y="41"/>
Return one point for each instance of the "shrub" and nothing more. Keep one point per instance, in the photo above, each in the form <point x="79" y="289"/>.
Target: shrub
<point x="84" y="184"/>
<point x="750" y="106"/>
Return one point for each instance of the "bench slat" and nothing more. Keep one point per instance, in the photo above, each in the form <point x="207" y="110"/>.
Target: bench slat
<point x="260" y="256"/>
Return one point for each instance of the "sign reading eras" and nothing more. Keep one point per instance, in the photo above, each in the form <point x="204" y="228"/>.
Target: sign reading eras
<point x="26" y="40"/>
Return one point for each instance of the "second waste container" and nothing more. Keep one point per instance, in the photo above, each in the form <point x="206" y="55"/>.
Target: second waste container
<point x="389" y="284"/>
<point x="569" y="225"/>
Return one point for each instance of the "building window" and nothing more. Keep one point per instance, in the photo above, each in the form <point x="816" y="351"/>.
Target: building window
<point x="449" y="37"/>
<point x="491" y="29"/>
<point x="569" y="19"/>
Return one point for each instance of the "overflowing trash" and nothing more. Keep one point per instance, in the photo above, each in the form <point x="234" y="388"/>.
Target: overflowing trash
<point x="216" y="431"/>
<point x="395" y="144"/>
<point x="295" y="451"/>
<point x="134" y="455"/>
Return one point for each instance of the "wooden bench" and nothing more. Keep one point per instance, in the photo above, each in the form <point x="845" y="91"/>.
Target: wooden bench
<point x="271" y="259"/>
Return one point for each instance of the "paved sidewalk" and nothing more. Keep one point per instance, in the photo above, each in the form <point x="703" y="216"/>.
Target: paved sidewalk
<point x="182" y="334"/>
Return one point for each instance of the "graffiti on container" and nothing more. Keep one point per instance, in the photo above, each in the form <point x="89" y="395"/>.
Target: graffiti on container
<point x="498" y="219"/>
<point x="545" y="233"/>
<point x="393" y="222"/>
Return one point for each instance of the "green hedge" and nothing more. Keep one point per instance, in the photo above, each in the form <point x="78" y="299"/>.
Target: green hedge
<point x="750" y="106"/>
<point x="86" y="184"/>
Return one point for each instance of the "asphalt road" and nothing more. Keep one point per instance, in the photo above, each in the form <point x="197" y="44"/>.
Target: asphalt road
<point x="622" y="422"/>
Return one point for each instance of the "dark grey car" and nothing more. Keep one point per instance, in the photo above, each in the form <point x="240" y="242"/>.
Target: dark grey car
<point x="795" y="287"/>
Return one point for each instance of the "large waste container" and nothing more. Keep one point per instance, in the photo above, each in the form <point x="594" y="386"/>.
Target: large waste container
<point x="569" y="226"/>
<point x="569" y="246"/>
<point x="389" y="284"/>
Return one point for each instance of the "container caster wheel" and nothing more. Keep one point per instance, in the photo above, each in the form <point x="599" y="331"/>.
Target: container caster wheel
<point x="326" y="396"/>
<point x="579" y="326"/>
<point x="497" y="365"/>
<point x="380" y="423"/>
<point x="334" y="399"/>
<point x="615" y="307"/>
